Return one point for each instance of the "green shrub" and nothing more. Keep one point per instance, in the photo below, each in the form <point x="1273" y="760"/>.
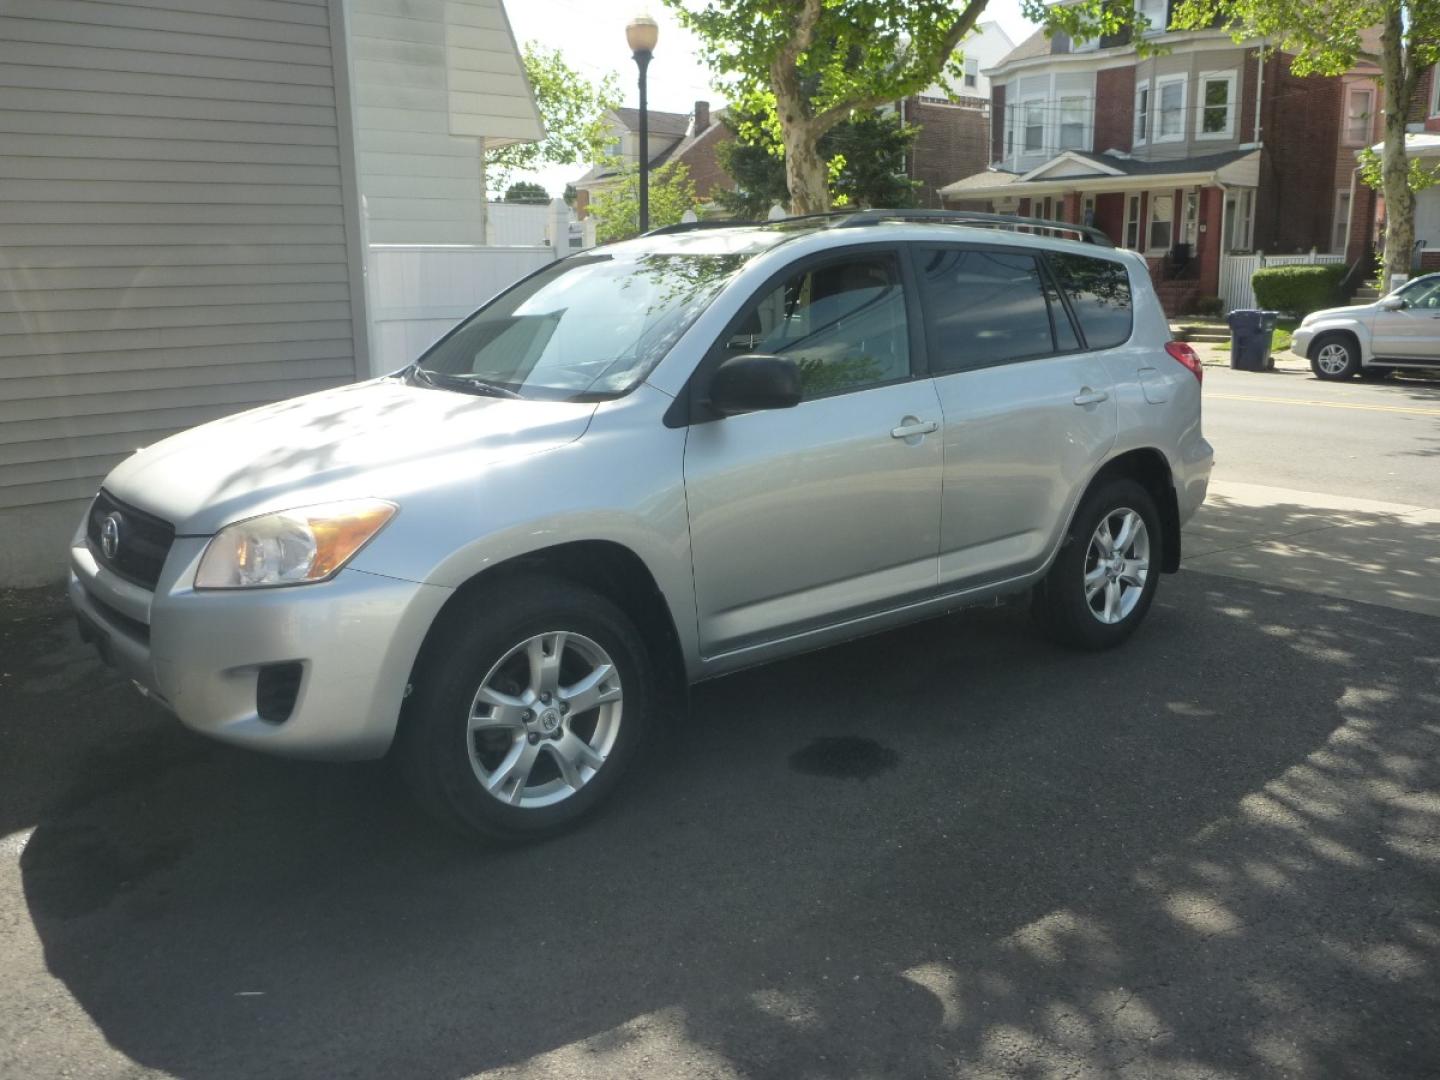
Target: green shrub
<point x="1298" y="290"/>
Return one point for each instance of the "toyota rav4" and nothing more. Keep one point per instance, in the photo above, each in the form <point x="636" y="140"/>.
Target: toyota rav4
<point x="647" y="465"/>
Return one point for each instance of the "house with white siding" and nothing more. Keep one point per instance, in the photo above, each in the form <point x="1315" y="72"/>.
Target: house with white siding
<point x="191" y="192"/>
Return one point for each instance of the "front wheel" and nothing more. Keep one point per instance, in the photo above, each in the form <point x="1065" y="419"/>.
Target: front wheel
<point x="1335" y="356"/>
<point x="528" y="707"/>
<point x="1100" y="586"/>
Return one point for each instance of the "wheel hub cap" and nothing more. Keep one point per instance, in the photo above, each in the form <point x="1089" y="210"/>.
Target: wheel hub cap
<point x="1117" y="564"/>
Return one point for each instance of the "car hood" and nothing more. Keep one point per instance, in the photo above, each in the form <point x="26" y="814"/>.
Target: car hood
<point x="382" y="438"/>
<point x="1351" y="311"/>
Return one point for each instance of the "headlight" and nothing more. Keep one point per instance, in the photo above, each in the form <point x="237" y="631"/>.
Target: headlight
<point x="291" y="547"/>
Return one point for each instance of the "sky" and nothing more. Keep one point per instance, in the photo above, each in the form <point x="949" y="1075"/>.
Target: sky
<point x="591" y="35"/>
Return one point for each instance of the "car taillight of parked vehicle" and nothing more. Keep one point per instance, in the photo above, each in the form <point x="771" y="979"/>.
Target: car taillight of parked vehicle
<point x="1187" y="356"/>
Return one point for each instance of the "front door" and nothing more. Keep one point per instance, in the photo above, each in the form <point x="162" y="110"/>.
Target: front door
<point x="1411" y="332"/>
<point x="802" y="518"/>
<point x="1029" y="412"/>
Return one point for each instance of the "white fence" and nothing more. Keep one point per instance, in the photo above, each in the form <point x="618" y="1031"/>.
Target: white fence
<point x="1235" y="271"/>
<point x="519" y="224"/>
<point x="419" y="291"/>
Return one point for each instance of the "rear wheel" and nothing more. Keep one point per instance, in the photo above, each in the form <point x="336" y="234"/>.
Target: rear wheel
<point x="1335" y="356"/>
<point x="1103" y="580"/>
<point x="527" y="710"/>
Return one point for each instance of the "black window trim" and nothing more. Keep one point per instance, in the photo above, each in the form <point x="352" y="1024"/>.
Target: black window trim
<point x="1047" y="277"/>
<point x="689" y="405"/>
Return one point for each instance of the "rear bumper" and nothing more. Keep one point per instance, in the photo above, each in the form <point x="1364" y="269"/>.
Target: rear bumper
<point x="1192" y="479"/>
<point x="201" y="654"/>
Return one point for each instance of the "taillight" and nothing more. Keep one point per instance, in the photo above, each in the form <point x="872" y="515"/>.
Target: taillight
<point x="1187" y="356"/>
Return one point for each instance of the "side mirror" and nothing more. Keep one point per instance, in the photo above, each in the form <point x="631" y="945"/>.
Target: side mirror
<point x="1394" y="303"/>
<point x="744" y="384"/>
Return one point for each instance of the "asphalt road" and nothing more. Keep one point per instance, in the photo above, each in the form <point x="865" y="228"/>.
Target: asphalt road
<point x="948" y="851"/>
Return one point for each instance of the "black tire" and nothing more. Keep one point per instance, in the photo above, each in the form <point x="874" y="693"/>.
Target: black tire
<point x="1375" y="374"/>
<point x="1331" y="343"/>
<point x="435" y="747"/>
<point x="1059" y="603"/>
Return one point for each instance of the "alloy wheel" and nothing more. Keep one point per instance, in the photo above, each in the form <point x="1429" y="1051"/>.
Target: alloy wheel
<point x="1117" y="564"/>
<point x="544" y="720"/>
<point x="1333" y="359"/>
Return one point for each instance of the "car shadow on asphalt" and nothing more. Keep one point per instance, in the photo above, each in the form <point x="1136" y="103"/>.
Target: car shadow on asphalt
<point x="1211" y="852"/>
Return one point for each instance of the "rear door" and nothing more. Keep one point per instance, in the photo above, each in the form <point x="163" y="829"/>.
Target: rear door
<point x="1029" y="411"/>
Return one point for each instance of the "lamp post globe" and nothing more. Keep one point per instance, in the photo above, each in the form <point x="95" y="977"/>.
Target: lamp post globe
<point x="641" y="34"/>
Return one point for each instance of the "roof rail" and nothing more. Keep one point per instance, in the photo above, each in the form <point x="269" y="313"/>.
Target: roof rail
<point x="851" y="219"/>
<point x="976" y="219"/>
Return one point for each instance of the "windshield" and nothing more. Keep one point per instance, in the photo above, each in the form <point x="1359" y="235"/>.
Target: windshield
<point x="589" y="327"/>
<point x="1422" y="292"/>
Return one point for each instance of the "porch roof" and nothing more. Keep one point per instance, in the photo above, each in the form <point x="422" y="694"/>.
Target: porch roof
<point x="1074" y="170"/>
<point x="1417" y="143"/>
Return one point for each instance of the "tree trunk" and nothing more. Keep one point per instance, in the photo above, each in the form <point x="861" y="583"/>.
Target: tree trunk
<point x="1395" y="170"/>
<point x="806" y="174"/>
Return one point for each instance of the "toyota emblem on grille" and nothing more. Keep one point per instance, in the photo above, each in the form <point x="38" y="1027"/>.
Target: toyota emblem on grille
<point x="110" y="535"/>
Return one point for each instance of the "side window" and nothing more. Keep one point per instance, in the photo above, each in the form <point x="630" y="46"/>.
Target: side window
<point x="986" y="307"/>
<point x="843" y="323"/>
<point x="1099" y="292"/>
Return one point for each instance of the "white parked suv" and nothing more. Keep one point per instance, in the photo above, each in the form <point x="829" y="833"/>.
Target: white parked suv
<point x="643" y="466"/>
<point x="1401" y="330"/>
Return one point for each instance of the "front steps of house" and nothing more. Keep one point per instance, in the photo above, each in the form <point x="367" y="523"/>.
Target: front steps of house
<point x="1177" y="297"/>
<point x="1366" y="294"/>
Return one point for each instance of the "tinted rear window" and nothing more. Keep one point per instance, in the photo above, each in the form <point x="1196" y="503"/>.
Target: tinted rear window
<point x="1099" y="291"/>
<point x="984" y="307"/>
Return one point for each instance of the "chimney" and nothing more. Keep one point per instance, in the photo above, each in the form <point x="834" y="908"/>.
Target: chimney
<point x="702" y="116"/>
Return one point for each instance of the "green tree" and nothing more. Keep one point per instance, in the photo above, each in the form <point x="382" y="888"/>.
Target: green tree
<point x="526" y="191"/>
<point x="573" y="110"/>
<point x="807" y="65"/>
<point x="616" y="206"/>
<point x="1325" y="38"/>
<point x="864" y="157"/>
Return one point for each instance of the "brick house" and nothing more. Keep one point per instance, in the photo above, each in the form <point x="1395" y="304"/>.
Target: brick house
<point x="1187" y="157"/>
<point x="688" y="138"/>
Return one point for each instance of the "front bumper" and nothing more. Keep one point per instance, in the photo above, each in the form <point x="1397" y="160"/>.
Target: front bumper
<point x="355" y="639"/>
<point x="1300" y="341"/>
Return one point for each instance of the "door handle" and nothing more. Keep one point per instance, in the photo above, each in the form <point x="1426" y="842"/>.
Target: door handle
<point x="912" y="427"/>
<point x="1090" y="397"/>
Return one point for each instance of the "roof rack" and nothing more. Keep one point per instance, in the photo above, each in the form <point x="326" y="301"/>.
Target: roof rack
<point x="851" y="219"/>
<point x="976" y="219"/>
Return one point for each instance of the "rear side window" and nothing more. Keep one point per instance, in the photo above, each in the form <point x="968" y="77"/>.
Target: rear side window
<point x="987" y="307"/>
<point x="1099" y="292"/>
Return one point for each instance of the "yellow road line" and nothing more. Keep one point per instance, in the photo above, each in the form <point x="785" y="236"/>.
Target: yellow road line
<point x="1325" y="404"/>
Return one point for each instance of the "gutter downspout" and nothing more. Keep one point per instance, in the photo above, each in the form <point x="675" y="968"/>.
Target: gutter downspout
<point x="1259" y="90"/>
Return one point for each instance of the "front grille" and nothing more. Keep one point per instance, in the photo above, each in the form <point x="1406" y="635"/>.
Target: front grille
<point x="144" y="540"/>
<point x="276" y="690"/>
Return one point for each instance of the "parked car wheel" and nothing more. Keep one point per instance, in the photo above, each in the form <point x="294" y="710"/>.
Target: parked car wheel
<point x="1103" y="580"/>
<point x="527" y="709"/>
<point x="1334" y="356"/>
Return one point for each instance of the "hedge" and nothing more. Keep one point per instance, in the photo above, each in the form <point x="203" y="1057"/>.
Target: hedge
<point x="1298" y="290"/>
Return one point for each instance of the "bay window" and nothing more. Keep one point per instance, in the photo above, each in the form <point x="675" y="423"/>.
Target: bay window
<point x="1170" y="123"/>
<point x="1072" y="122"/>
<point x="1217" y="106"/>
<point x="1034" y="112"/>
<point x="1142" y="113"/>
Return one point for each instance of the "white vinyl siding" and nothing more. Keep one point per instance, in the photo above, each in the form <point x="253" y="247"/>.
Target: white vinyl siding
<point x="436" y="81"/>
<point x="173" y="241"/>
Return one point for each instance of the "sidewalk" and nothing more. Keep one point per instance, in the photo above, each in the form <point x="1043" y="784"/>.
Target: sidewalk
<point x="1354" y="549"/>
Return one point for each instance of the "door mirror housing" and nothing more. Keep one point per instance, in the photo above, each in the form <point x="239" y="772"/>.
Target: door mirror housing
<point x="1394" y="303"/>
<point x="754" y="382"/>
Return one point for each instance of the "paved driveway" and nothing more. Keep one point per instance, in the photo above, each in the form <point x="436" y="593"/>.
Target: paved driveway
<point x="947" y="851"/>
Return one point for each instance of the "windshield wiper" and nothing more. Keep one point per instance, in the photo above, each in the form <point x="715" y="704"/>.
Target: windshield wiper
<point x="469" y="384"/>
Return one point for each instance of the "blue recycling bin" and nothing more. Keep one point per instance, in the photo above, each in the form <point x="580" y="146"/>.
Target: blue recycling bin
<point x="1252" y="333"/>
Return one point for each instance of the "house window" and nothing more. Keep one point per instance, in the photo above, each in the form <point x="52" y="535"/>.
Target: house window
<point x="1245" y="220"/>
<point x="1132" y="222"/>
<point x="1072" y="123"/>
<point x="1217" y="106"/>
<point x="1034" y="125"/>
<point x="1089" y="45"/>
<point x="972" y="73"/>
<point x="1154" y="13"/>
<point x="1087" y="211"/>
<point x="1142" y="113"/>
<point x="1341" y="237"/>
<point x="1170" y="124"/>
<point x="1162" y="222"/>
<point x="1359" y="103"/>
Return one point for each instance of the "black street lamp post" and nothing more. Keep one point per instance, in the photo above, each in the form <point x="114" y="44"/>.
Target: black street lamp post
<point x="641" y="35"/>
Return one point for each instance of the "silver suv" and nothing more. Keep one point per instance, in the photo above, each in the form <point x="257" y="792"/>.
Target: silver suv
<point x="648" y="465"/>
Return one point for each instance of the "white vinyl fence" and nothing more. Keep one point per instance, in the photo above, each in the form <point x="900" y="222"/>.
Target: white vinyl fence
<point x="1235" y="271"/>
<point x="417" y="292"/>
